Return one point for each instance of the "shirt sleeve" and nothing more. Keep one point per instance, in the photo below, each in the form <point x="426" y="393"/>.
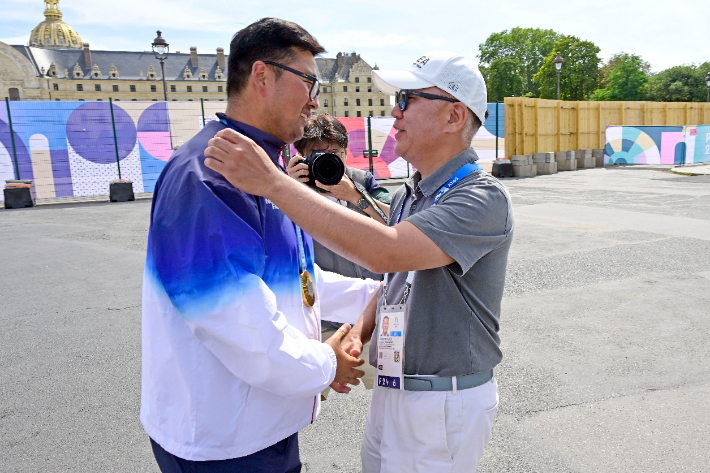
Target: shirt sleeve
<point x="343" y="299"/>
<point x="208" y="257"/>
<point x="468" y="222"/>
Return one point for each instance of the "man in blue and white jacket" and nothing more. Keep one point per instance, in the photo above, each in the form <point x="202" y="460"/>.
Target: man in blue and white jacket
<point x="233" y="363"/>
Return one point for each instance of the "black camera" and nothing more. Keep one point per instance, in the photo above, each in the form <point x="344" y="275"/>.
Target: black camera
<point x="326" y="168"/>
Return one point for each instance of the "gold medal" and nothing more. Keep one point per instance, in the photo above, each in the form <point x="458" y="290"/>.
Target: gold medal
<point x="308" y="292"/>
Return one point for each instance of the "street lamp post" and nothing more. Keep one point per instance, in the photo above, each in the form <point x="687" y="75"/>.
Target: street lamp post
<point x="160" y="50"/>
<point x="558" y="66"/>
<point x="707" y="82"/>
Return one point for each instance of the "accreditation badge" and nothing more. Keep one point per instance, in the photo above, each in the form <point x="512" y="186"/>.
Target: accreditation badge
<point x="390" y="346"/>
<point x="308" y="292"/>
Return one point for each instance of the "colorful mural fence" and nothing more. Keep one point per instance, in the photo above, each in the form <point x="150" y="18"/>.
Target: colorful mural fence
<point x="657" y="144"/>
<point x="74" y="149"/>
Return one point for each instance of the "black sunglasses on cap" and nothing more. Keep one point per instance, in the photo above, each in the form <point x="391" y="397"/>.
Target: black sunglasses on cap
<point x="402" y="97"/>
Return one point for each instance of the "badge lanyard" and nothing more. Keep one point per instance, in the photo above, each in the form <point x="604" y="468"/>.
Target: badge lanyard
<point x="391" y="326"/>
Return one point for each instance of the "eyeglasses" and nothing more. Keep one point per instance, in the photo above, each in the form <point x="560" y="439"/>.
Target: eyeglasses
<point x="402" y="97"/>
<point x="315" y="85"/>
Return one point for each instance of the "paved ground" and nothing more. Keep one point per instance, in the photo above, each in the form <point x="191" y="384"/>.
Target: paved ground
<point x="693" y="170"/>
<point x="605" y="332"/>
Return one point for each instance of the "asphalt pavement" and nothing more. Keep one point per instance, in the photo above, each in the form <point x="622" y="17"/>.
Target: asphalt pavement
<point x="605" y="334"/>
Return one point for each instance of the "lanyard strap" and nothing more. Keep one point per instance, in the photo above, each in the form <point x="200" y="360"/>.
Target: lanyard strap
<point x="464" y="171"/>
<point x="370" y="200"/>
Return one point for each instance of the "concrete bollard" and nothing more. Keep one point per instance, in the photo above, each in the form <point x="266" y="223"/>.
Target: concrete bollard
<point x="523" y="165"/>
<point x="566" y="161"/>
<point x="598" y="157"/>
<point x="585" y="159"/>
<point x="545" y="163"/>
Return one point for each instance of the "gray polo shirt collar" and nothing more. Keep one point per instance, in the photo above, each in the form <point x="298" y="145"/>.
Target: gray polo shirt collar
<point x="441" y="176"/>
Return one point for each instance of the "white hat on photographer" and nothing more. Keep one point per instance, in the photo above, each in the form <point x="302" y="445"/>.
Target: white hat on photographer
<point x="448" y="71"/>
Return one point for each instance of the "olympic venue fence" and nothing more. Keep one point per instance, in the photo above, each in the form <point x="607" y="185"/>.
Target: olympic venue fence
<point x="541" y="126"/>
<point x="75" y="149"/>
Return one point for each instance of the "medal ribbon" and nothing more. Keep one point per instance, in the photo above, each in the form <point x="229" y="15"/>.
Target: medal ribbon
<point x="302" y="263"/>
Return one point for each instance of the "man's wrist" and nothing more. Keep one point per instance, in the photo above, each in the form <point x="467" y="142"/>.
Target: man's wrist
<point x="278" y="186"/>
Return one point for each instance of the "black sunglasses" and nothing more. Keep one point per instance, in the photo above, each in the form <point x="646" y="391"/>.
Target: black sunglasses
<point x="315" y="85"/>
<point x="402" y="97"/>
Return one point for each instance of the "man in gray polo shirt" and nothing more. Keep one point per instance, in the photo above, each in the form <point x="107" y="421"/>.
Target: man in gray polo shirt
<point x="445" y="254"/>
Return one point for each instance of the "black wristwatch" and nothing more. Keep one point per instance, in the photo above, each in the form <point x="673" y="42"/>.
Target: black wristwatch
<point x="362" y="204"/>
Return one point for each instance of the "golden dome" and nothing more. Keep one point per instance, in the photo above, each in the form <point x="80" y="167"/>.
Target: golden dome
<point x="53" y="32"/>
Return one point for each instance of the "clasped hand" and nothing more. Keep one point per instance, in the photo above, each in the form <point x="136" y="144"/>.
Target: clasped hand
<point x="347" y="345"/>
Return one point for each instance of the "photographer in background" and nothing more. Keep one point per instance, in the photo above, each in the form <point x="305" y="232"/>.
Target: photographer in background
<point x="325" y="133"/>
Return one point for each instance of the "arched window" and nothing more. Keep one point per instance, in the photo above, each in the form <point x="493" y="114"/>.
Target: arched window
<point x="345" y="102"/>
<point x="357" y="79"/>
<point x="14" y="94"/>
<point x="357" y="102"/>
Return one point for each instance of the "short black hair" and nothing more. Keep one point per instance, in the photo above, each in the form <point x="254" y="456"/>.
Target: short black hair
<point x="269" y="39"/>
<point x="322" y="128"/>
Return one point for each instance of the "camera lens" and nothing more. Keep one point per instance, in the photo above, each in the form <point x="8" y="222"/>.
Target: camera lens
<point x="328" y="169"/>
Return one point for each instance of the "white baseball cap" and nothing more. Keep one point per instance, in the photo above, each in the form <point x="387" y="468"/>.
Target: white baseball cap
<point x="448" y="71"/>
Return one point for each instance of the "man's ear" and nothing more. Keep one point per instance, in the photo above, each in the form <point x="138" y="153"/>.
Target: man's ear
<point x="457" y="117"/>
<point x="261" y="75"/>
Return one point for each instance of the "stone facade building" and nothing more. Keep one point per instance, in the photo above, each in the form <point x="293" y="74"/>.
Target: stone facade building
<point x="347" y="89"/>
<point x="57" y="65"/>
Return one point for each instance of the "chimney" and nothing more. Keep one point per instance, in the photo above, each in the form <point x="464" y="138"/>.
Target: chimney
<point x="193" y="56"/>
<point x="339" y="59"/>
<point x="87" y="56"/>
<point x="220" y="58"/>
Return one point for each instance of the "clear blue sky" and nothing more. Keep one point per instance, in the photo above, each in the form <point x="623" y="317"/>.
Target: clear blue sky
<point x="390" y="33"/>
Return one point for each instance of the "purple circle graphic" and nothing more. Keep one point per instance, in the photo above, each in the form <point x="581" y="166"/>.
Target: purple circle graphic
<point x="90" y="132"/>
<point x="154" y="119"/>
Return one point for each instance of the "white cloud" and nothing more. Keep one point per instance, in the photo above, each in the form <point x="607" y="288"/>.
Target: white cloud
<point x="389" y="33"/>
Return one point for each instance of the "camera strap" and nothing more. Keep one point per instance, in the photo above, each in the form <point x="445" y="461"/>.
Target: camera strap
<point x="370" y="200"/>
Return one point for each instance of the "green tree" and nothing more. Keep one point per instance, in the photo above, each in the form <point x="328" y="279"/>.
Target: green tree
<point x="529" y="46"/>
<point x="684" y="83"/>
<point x="504" y="79"/>
<point x="624" y="77"/>
<point x="580" y="72"/>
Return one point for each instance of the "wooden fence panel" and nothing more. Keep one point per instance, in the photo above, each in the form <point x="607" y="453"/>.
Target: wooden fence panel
<point x="568" y="125"/>
<point x="537" y="125"/>
<point x="588" y="129"/>
<point x="547" y="126"/>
